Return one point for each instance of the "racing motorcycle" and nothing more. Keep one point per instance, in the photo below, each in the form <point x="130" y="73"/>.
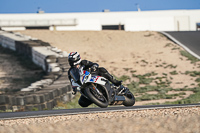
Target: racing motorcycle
<point x="99" y="90"/>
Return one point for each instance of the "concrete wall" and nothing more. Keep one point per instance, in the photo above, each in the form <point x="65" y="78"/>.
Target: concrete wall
<point x="150" y="23"/>
<point x="54" y="86"/>
<point x="169" y="20"/>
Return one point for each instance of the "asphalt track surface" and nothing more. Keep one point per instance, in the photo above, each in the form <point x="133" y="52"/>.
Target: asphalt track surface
<point x="189" y="40"/>
<point x="46" y="113"/>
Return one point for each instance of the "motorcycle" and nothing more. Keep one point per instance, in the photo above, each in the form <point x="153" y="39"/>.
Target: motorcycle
<point x="99" y="90"/>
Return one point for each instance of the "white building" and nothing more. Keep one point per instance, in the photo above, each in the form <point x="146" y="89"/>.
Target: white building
<point x="166" y="20"/>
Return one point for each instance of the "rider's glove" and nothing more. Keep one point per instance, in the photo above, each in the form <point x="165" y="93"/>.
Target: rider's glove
<point x="94" y="68"/>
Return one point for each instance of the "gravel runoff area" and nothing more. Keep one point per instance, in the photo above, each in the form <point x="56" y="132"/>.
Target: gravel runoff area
<point x="174" y="120"/>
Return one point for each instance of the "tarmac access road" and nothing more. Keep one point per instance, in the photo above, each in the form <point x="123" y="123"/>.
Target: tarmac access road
<point x="189" y="40"/>
<point x="46" y="113"/>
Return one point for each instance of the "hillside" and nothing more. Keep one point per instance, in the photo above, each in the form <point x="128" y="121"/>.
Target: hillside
<point x="153" y="67"/>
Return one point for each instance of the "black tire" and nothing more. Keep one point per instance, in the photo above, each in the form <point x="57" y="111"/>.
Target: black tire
<point x="129" y="99"/>
<point x="89" y="91"/>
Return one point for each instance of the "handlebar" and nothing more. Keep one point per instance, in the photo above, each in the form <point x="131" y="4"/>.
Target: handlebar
<point x="82" y="67"/>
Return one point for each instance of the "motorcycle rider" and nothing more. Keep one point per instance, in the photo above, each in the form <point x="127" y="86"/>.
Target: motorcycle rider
<point x="74" y="60"/>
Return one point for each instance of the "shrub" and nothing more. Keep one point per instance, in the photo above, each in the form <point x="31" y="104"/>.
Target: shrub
<point x="189" y="56"/>
<point x="34" y="109"/>
<point x="193" y="73"/>
<point x="197" y="80"/>
<point x="145" y="80"/>
<point x="168" y="45"/>
<point x="124" y="78"/>
<point x="133" y="71"/>
<point x="173" y="73"/>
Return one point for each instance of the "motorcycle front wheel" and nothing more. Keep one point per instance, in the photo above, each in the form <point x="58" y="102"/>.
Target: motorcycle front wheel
<point x="98" y="97"/>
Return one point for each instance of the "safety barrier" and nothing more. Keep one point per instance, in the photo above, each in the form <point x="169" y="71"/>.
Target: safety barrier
<point x="54" y="86"/>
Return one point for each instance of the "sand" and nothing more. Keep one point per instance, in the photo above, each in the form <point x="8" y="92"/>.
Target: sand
<point x="121" y="52"/>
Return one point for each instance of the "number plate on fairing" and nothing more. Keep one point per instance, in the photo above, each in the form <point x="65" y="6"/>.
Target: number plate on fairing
<point x="98" y="80"/>
<point x="94" y="78"/>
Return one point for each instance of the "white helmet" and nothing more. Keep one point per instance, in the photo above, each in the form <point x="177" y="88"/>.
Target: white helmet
<point x="74" y="59"/>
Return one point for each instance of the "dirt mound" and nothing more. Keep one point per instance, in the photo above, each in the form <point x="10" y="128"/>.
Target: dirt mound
<point x="130" y="55"/>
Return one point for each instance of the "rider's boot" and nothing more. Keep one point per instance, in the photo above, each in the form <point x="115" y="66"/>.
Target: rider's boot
<point x="112" y="79"/>
<point x="121" y="89"/>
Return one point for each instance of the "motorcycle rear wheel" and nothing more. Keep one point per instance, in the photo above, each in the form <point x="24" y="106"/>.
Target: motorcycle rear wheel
<point x="99" y="100"/>
<point x="129" y="99"/>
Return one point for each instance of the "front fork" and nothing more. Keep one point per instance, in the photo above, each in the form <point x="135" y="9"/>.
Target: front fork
<point x="94" y="87"/>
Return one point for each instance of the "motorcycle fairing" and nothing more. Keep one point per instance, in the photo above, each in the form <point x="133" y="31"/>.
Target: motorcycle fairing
<point x="98" y="80"/>
<point x="85" y="74"/>
<point x="87" y="77"/>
